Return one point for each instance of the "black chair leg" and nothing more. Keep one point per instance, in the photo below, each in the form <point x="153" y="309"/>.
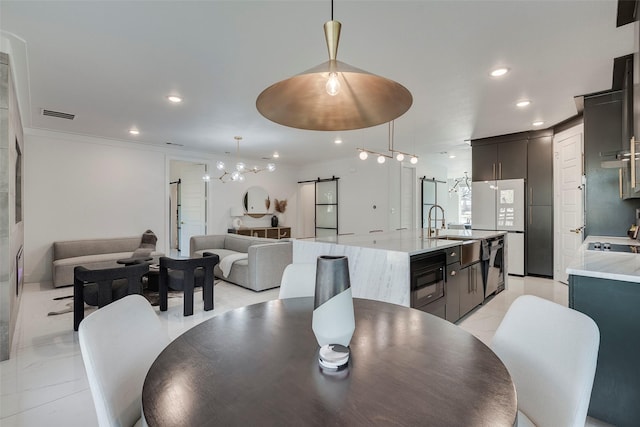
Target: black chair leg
<point x="78" y="304"/>
<point x="163" y="289"/>
<point x="188" y="300"/>
<point x="207" y="294"/>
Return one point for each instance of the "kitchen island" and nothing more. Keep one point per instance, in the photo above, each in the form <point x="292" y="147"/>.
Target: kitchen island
<point x="380" y="263"/>
<point x="605" y="285"/>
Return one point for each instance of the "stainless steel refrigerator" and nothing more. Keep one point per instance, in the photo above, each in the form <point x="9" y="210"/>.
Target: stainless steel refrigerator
<point x="500" y="206"/>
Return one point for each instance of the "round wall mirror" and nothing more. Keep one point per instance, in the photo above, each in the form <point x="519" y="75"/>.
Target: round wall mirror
<point x="256" y="202"/>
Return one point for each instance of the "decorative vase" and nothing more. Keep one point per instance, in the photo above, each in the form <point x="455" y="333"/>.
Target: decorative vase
<point x="281" y="218"/>
<point x="333" y="319"/>
<point x="274" y="221"/>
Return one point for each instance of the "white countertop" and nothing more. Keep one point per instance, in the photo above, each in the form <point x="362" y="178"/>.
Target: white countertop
<point x="622" y="266"/>
<point x="409" y="241"/>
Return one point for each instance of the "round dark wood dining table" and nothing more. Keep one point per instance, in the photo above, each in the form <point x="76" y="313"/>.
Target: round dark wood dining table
<point x="258" y="366"/>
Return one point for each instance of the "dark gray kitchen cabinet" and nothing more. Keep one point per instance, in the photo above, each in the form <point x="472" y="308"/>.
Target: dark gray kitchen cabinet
<point x="606" y="213"/>
<point x="499" y="160"/>
<point x="539" y="236"/>
<point x="613" y="305"/>
<point x="512" y="160"/>
<point x="540" y="171"/>
<point x="483" y="162"/>
<point x="455" y="280"/>
<point x="471" y="288"/>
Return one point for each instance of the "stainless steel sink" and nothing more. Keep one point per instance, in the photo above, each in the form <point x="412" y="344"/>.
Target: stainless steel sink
<point x="470" y="251"/>
<point x="453" y="238"/>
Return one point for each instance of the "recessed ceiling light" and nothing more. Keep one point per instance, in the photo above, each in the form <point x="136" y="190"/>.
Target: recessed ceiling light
<point x="276" y="155"/>
<point x="174" y="98"/>
<point x="538" y="123"/>
<point x="523" y="103"/>
<point x="498" y="72"/>
<point x="452" y="156"/>
<point x="134" y="131"/>
<point x="338" y="141"/>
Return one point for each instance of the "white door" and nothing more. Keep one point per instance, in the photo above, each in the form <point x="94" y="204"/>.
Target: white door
<point x="407" y="199"/>
<point x="193" y="204"/>
<point x="306" y="210"/>
<point x="568" y="198"/>
<point x="174" y="215"/>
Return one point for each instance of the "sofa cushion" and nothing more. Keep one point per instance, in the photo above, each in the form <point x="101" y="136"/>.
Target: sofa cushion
<point x="79" y="248"/>
<point x="220" y="252"/>
<point x="239" y="273"/>
<point x="238" y="243"/>
<point x="90" y="259"/>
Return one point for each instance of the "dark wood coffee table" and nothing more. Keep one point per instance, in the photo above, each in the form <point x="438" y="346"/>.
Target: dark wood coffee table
<point x="134" y="260"/>
<point x="257" y="365"/>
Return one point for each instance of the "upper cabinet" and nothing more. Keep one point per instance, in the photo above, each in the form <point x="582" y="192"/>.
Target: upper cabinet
<point x="540" y="171"/>
<point x="499" y="158"/>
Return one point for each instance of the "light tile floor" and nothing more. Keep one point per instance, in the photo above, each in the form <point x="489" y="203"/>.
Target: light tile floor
<point x="44" y="382"/>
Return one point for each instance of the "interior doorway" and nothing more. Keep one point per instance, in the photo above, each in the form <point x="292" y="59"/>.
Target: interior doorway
<point x="187" y="204"/>
<point x="568" y="189"/>
<point x="306" y="210"/>
<point x="318" y="208"/>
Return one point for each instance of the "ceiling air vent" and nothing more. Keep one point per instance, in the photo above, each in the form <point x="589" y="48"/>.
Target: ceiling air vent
<point x="58" y="114"/>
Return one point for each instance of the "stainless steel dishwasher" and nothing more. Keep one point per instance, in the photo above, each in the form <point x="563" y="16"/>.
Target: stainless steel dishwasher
<point x="493" y="268"/>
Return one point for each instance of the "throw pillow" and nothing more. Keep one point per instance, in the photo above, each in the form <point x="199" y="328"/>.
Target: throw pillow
<point x="142" y="253"/>
<point x="149" y="240"/>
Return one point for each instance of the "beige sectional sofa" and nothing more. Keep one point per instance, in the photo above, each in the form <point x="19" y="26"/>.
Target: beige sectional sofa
<point x="92" y="254"/>
<point x="257" y="263"/>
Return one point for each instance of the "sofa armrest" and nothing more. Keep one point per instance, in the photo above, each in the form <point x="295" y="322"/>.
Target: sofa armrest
<point x="209" y="241"/>
<point x="267" y="263"/>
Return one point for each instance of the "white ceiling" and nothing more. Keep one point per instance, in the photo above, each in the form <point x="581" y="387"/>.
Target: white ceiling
<point x="112" y="63"/>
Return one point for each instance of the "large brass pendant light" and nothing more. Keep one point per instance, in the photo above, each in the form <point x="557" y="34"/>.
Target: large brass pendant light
<point x="334" y="95"/>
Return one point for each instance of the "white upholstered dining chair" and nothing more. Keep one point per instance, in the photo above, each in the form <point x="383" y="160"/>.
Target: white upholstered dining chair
<point x="551" y="353"/>
<point x="119" y="343"/>
<point x="298" y="280"/>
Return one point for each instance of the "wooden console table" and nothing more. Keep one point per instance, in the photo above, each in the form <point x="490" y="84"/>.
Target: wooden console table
<point x="268" y="232"/>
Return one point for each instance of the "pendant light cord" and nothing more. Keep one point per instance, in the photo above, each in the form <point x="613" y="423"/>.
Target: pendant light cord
<point x="332" y="10"/>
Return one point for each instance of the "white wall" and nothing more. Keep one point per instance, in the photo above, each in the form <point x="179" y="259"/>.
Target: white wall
<point x="80" y="187"/>
<point x="364" y="184"/>
<point x="280" y="184"/>
<point x="76" y="189"/>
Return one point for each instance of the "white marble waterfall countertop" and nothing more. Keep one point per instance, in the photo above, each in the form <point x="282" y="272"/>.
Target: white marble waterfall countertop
<point x="622" y="266"/>
<point x="379" y="263"/>
<point x="408" y="241"/>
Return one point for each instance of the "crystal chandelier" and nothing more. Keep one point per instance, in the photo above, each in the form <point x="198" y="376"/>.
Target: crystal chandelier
<point x="237" y="175"/>
<point x="462" y="184"/>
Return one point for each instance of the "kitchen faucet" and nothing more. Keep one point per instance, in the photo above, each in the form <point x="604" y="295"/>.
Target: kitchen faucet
<point x="430" y="230"/>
